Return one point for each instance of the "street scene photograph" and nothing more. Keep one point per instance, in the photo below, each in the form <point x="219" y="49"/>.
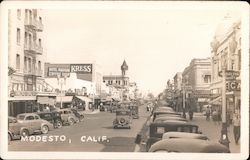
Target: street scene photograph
<point x="124" y="80"/>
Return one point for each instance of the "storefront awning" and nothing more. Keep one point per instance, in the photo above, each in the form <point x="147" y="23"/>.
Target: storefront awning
<point x="83" y="98"/>
<point x="22" y="98"/>
<point x="65" y="99"/>
<point x="216" y="101"/>
<point x="45" y="100"/>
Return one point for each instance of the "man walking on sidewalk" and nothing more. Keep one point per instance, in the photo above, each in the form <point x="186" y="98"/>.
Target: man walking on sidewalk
<point x="236" y="123"/>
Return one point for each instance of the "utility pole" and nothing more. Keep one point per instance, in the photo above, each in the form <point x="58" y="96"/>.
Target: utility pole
<point x="224" y="137"/>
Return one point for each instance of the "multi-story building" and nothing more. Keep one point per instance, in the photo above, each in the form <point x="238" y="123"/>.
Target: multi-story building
<point x="26" y="59"/>
<point x="226" y="54"/>
<point x="196" y="79"/>
<point x="177" y="91"/>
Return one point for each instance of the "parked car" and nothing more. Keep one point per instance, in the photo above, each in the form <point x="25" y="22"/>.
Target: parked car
<point x="170" y="135"/>
<point x="78" y="114"/>
<point x="188" y="145"/>
<point x="123" y="119"/>
<point x="53" y="117"/>
<point x="28" y="124"/>
<point x="13" y="132"/>
<point x="157" y="113"/>
<point x="68" y="117"/>
<point x="164" y="108"/>
<point x="156" y="130"/>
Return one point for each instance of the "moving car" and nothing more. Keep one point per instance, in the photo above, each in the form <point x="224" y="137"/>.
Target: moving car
<point x="52" y="117"/>
<point x="68" y="117"/>
<point x="170" y="135"/>
<point x="135" y="111"/>
<point x="123" y="119"/>
<point x="188" y="145"/>
<point x="28" y="124"/>
<point x="156" y="130"/>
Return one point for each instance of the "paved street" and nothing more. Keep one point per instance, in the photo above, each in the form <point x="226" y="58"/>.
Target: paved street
<point x="95" y="126"/>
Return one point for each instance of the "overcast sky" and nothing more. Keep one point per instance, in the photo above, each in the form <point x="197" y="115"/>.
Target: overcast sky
<point x="155" y="44"/>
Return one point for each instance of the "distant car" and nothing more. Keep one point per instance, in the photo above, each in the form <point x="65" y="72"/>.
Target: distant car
<point x="28" y="124"/>
<point x="123" y="119"/>
<point x="170" y="135"/>
<point x="78" y="114"/>
<point x="188" y="145"/>
<point x="53" y="117"/>
<point x="156" y="130"/>
<point x="68" y="117"/>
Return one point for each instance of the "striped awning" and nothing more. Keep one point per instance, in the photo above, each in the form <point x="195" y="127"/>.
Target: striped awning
<point x="216" y="101"/>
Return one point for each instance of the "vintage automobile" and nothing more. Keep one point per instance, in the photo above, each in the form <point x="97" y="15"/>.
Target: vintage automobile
<point x="169" y="135"/>
<point x="161" y="119"/>
<point x="28" y="124"/>
<point x="13" y="132"/>
<point x="68" y="117"/>
<point x="53" y="117"/>
<point x="78" y="114"/>
<point x="188" y="145"/>
<point x="135" y="111"/>
<point x="123" y="119"/>
<point x="157" y="113"/>
<point x="156" y="130"/>
<point x="163" y="108"/>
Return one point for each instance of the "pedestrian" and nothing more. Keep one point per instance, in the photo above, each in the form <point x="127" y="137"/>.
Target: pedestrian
<point x="236" y="129"/>
<point x="208" y="113"/>
<point x="190" y="114"/>
<point x="215" y="116"/>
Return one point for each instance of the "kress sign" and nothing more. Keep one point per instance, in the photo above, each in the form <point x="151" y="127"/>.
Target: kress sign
<point x="81" y="68"/>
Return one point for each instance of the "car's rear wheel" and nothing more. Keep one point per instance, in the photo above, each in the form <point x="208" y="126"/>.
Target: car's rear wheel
<point x="59" y="124"/>
<point x="71" y="121"/>
<point x="45" y="129"/>
<point x="24" y="133"/>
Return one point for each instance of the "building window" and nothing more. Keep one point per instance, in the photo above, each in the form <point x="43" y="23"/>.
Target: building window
<point x="19" y="13"/>
<point x="25" y="63"/>
<point x="17" y="61"/>
<point x="232" y="65"/>
<point x="239" y="62"/>
<point x="207" y="78"/>
<point x="119" y="82"/>
<point x="40" y="20"/>
<point x="40" y="42"/>
<point x="39" y="66"/>
<point x="18" y="35"/>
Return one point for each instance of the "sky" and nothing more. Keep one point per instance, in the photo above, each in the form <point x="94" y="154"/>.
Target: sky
<point x="156" y="44"/>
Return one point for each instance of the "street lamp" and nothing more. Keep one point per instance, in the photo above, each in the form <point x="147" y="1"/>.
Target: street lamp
<point x="224" y="137"/>
<point x="184" y="96"/>
<point x="93" y="98"/>
<point x="61" y="81"/>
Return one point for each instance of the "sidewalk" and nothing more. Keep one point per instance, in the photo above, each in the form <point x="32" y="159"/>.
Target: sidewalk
<point x="91" y="112"/>
<point x="213" y="131"/>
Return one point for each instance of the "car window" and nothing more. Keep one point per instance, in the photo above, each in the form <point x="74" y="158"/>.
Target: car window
<point x="160" y="130"/>
<point x="36" y="117"/>
<point x="186" y="129"/>
<point x="194" y="129"/>
<point x="47" y="116"/>
<point x="65" y="112"/>
<point x="29" y="118"/>
<point x="20" y="117"/>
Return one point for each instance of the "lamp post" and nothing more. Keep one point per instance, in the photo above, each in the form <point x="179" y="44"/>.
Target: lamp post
<point x="93" y="98"/>
<point x="61" y="81"/>
<point x="224" y="137"/>
<point x="184" y="96"/>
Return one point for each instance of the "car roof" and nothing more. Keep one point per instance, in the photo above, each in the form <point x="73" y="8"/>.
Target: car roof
<point x="169" y="118"/>
<point x="188" y="145"/>
<point x="28" y="114"/>
<point x="183" y="135"/>
<point x="173" y="122"/>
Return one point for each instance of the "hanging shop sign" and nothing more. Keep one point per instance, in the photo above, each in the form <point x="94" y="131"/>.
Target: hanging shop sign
<point x="230" y="74"/>
<point x="233" y="86"/>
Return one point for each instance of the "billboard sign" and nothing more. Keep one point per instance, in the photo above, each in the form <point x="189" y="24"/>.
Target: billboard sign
<point x="81" y="68"/>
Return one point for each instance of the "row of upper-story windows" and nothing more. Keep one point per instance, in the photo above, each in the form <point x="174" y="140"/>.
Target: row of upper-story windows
<point x="29" y="65"/>
<point x="119" y="82"/>
<point x="29" y="39"/>
<point x="28" y="14"/>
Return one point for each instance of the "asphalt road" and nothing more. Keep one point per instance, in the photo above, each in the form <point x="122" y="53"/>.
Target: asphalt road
<point x="94" y="134"/>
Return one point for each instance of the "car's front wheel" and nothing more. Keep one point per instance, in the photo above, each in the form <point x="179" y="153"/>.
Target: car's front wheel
<point x="71" y="121"/>
<point x="24" y="133"/>
<point x="59" y="124"/>
<point x="45" y="129"/>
